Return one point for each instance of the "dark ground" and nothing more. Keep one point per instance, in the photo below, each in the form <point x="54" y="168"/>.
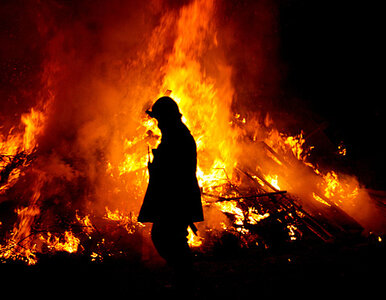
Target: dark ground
<point x="296" y="272"/>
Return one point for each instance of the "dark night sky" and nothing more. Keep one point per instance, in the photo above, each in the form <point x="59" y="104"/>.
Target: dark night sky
<point x="335" y="65"/>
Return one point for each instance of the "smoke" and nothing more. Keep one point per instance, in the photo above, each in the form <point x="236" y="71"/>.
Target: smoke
<point x="93" y="71"/>
<point x="81" y="64"/>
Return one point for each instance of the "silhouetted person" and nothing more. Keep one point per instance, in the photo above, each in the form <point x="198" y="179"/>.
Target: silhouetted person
<point x="173" y="200"/>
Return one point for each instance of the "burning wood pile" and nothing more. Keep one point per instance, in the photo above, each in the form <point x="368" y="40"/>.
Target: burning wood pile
<point x="255" y="211"/>
<point x="73" y="166"/>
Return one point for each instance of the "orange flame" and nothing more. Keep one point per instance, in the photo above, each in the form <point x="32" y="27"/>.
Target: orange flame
<point x="70" y="243"/>
<point x="196" y="73"/>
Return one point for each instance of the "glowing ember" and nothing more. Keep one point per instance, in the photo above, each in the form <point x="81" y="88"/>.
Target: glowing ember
<point x="342" y="149"/>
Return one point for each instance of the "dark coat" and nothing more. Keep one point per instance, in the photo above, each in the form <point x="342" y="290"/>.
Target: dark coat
<point x="173" y="193"/>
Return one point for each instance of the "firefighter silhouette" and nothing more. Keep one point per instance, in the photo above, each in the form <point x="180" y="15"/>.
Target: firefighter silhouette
<point x="173" y="200"/>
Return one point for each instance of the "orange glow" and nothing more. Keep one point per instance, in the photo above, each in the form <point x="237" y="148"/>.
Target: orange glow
<point x="338" y="191"/>
<point x="230" y="207"/>
<point x="99" y="167"/>
<point x="254" y="217"/>
<point x="193" y="240"/>
<point x="86" y="223"/>
<point x="273" y="180"/>
<point x="126" y="221"/>
<point x="33" y="126"/>
<point x="20" y="246"/>
<point x="319" y="199"/>
<point x="69" y="243"/>
<point x="18" y="142"/>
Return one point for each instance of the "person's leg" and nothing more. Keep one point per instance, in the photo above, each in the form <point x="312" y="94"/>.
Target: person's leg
<point x="170" y="240"/>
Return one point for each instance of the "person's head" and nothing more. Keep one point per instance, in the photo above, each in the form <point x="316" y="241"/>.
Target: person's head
<point x="165" y="111"/>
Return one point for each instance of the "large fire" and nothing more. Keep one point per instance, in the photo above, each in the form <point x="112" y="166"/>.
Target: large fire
<point x="75" y="167"/>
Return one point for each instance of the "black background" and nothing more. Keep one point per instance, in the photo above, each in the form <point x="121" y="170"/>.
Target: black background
<point x="334" y="56"/>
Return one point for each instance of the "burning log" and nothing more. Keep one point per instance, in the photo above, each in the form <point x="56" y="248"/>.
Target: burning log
<point x="293" y="209"/>
<point x="280" y="158"/>
<point x="219" y="198"/>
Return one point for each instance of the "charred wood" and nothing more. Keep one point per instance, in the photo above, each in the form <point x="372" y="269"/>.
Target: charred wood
<point x="296" y="210"/>
<point x="220" y="199"/>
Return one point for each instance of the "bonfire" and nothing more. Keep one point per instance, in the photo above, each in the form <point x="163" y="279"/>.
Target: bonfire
<point x="73" y="165"/>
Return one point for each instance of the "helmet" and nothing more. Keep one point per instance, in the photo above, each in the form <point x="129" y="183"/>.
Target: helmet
<point x="164" y="107"/>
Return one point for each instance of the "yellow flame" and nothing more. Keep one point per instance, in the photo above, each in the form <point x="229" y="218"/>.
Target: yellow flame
<point x="273" y="180"/>
<point x="193" y="240"/>
<point x="296" y="145"/>
<point x="254" y="217"/>
<point x="86" y="222"/>
<point x="203" y="100"/>
<point x="33" y="122"/>
<point x="319" y="199"/>
<point x="69" y="243"/>
<point x="231" y="208"/>
<point x="336" y="190"/>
